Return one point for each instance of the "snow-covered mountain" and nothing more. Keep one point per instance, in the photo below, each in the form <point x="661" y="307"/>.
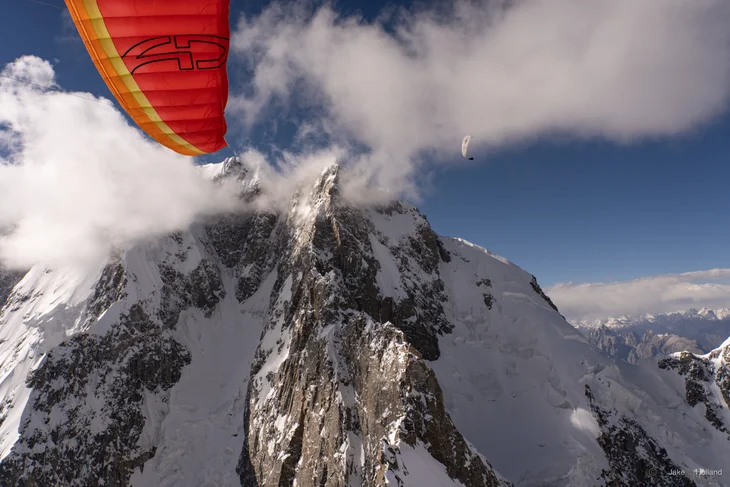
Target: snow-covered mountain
<point x="332" y="345"/>
<point x="632" y="338"/>
<point x="628" y="345"/>
<point x="668" y="320"/>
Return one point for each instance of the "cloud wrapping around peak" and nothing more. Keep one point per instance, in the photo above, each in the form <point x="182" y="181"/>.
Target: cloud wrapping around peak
<point x="657" y="294"/>
<point x="77" y="180"/>
<point x="499" y="71"/>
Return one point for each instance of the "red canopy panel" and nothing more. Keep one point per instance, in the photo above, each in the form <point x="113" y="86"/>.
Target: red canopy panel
<point x="165" y="62"/>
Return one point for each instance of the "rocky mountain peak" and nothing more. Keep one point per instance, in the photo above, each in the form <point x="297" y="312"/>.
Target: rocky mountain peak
<point x="324" y="343"/>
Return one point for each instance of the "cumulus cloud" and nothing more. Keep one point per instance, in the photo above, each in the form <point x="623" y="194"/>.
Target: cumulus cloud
<point x="656" y="294"/>
<point x="500" y="71"/>
<point x="77" y="180"/>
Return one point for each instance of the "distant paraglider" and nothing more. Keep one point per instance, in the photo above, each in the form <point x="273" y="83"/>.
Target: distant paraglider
<point x="165" y="63"/>
<point x="465" y="147"/>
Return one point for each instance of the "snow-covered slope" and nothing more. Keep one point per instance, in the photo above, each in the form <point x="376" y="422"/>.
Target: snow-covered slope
<point x="44" y="308"/>
<point x="330" y="345"/>
<point x="519" y="361"/>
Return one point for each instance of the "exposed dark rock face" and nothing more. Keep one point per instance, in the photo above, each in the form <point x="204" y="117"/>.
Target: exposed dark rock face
<point x="488" y="300"/>
<point x="722" y="373"/>
<point x="374" y="388"/>
<point x="634" y="456"/>
<point x="340" y="242"/>
<point x="392" y="381"/>
<point x="203" y="289"/>
<point x="627" y="346"/>
<point x="84" y="418"/>
<point x="536" y="287"/>
<point x="8" y="280"/>
<point x="91" y="445"/>
<point x="420" y="316"/>
<point x="342" y="386"/>
<point x="244" y="243"/>
<point x="109" y="289"/>
<point x="698" y="374"/>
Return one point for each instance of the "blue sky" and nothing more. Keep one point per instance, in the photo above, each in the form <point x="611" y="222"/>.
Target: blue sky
<point x="565" y="210"/>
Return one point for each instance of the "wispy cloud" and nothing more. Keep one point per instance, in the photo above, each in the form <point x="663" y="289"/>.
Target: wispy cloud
<point x="77" y="180"/>
<point x="655" y="294"/>
<point x="500" y="71"/>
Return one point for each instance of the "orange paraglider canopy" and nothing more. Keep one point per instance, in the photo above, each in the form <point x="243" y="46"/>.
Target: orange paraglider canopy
<point x="165" y="62"/>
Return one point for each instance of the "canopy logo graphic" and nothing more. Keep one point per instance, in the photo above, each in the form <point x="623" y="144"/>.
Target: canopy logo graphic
<point x="188" y="51"/>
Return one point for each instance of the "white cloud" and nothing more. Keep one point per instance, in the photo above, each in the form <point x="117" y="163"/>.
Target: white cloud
<point x="293" y="172"/>
<point x="656" y="294"/>
<point x="500" y="71"/>
<point x="78" y="180"/>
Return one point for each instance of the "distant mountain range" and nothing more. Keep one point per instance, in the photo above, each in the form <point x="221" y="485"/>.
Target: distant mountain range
<point x="635" y="338"/>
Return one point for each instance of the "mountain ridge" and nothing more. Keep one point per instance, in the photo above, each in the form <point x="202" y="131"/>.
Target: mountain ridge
<point x="330" y="344"/>
<point x="656" y="335"/>
<point x="716" y="314"/>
